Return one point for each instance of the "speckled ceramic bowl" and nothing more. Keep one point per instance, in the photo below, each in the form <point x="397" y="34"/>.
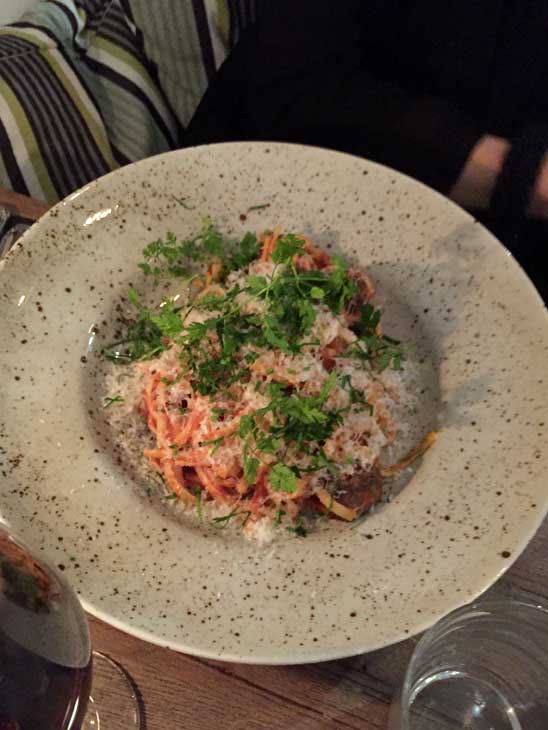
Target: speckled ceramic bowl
<point x="469" y="509"/>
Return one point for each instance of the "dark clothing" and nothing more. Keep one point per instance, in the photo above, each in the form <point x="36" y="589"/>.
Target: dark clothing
<point x="410" y="83"/>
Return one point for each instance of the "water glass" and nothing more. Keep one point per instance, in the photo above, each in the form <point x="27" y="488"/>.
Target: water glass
<point x="482" y="667"/>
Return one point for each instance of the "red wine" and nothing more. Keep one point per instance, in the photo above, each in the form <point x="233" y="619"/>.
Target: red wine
<point x="36" y="694"/>
<point x="45" y="653"/>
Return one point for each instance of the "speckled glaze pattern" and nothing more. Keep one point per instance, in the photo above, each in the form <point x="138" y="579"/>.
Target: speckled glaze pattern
<point x="470" y="508"/>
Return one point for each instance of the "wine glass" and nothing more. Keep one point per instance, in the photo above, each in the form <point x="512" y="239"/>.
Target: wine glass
<point x="45" y="654"/>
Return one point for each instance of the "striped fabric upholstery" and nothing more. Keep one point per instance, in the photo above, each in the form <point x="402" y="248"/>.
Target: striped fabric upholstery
<point x="187" y="41"/>
<point x="89" y="85"/>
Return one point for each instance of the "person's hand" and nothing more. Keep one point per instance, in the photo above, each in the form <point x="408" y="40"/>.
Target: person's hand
<point x="476" y="183"/>
<point x="538" y="207"/>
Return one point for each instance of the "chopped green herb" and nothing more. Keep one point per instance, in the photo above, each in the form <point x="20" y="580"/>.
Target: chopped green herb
<point x="213" y="442"/>
<point x="379" y="350"/>
<point x="283" y="479"/>
<point x="317" y="293"/>
<point x="247" y="425"/>
<point x="143" y="341"/>
<point x="369" y="321"/>
<point x="168" y="321"/>
<point x="356" y="396"/>
<point x="298" y="529"/>
<point x="256" y="285"/>
<point x="222" y="522"/>
<point x="251" y="467"/>
<point x="279" y="514"/>
<point x="170" y="257"/>
<point x="269" y="444"/>
<point x="246" y="251"/>
<point x="286" y="247"/>
<point x="110" y="401"/>
<point x="199" y="510"/>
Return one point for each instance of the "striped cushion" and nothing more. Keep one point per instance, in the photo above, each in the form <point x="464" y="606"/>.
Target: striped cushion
<point x="84" y="84"/>
<point x="187" y="41"/>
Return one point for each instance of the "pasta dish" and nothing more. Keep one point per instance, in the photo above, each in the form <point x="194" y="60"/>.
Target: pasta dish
<point x="267" y="384"/>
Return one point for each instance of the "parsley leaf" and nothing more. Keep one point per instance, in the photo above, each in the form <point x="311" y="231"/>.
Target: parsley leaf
<point x="247" y="250"/>
<point x="222" y="522"/>
<point x="110" y="401"/>
<point x="379" y="350"/>
<point x="272" y="334"/>
<point x="317" y="293"/>
<point x="299" y="529"/>
<point x="283" y="479"/>
<point x="133" y="297"/>
<point x="247" y="425"/>
<point x="169" y="257"/>
<point x="199" y="510"/>
<point x="279" y="514"/>
<point x="216" y="442"/>
<point x="168" y="320"/>
<point x="355" y="396"/>
<point x="251" y="467"/>
<point x="369" y="321"/>
<point x="286" y="247"/>
<point x="217" y="413"/>
<point x="256" y="284"/>
<point x="143" y="340"/>
<point x="340" y="288"/>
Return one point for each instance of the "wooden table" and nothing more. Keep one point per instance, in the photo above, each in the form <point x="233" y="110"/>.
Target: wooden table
<point x="179" y="692"/>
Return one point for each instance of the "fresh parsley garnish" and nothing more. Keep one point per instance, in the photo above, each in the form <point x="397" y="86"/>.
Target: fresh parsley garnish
<point x="171" y="257"/>
<point x="222" y="522"/>
<point x="283" y="479"/>
<point x="279" y="514"/>
<point x="111" y="401"/>
<point x="213" y="442"/>
<point x="199" y="510"/>
<point x="298" y="529"/>
<point x="217" y="413"/>
<point x="286" y="248"/>
<point x="143" y="340"/>
<point x="379" y="350"/>
<point x="251" y="467"/>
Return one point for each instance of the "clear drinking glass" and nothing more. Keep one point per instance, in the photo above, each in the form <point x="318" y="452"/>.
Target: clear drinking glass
<point x="482" y="667"/>
<point x="46" y="660"/>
